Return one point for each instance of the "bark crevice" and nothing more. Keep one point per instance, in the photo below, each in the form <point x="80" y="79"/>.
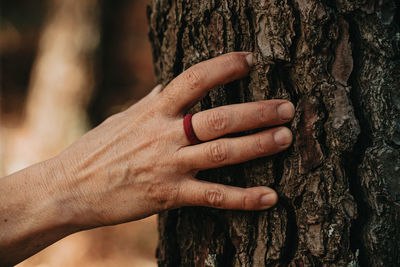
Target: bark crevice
<point x="337" y="183"/>
<point x="354" y="159"/>
<point x="292" y="238"/>
<point x="179" y="54"/>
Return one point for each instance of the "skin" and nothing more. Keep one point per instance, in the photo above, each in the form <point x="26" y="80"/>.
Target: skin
<point x="139" y="162"/>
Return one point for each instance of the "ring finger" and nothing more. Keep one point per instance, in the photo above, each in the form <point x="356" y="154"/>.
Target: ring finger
<point x="220" y="121"/>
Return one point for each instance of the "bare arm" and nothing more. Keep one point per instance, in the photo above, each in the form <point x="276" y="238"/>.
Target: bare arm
<point x="36" y="210"/>
<point x="139" y="162"/>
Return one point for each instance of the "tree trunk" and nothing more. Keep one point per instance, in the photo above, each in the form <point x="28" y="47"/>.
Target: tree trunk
<point x="339" y="183"/>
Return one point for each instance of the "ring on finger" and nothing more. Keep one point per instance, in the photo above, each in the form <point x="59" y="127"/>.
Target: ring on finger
<point x="189" y="131"/>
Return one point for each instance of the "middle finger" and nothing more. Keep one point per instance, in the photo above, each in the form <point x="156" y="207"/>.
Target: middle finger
<point x="226" y="151"/>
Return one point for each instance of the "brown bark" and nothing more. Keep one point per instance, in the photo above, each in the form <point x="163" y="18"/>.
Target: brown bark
<point x="339" y="184"/>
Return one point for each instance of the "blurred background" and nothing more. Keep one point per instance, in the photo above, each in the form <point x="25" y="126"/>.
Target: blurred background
<point x="65" y="66"/>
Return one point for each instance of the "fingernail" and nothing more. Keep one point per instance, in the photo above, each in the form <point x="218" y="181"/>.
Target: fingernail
<point x="283" y="136"/>
<point x="249" y="59"/>
<point x="285" y="111"/>
<point x="268" y="200"/>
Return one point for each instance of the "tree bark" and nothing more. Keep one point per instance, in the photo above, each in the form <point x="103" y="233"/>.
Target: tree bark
<point x="339" y="183"/>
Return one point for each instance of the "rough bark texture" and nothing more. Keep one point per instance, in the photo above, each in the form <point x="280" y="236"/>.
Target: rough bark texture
<point x="339" y="184"/>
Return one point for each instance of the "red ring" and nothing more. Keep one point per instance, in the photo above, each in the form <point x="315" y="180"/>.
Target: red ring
<point x="188" y="127"/>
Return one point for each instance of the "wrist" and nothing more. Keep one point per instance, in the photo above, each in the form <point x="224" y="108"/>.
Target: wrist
<point x="35" y="211"/>
<point x="65" y="196"/>
<point x="53" y="199"/>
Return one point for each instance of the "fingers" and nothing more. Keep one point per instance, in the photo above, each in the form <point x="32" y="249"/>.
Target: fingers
<point x="226" y="151"/>
<point x="217" y="122"/>
<point x="193" y="84"/>
<point x="200" y="193"/>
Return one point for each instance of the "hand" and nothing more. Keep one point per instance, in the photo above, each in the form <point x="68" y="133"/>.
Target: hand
<point x="139" y="162"/>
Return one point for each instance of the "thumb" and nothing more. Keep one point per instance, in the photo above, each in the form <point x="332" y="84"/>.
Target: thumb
<point x="201" y="193"/>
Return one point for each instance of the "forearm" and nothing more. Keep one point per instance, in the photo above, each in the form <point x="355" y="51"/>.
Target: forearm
<point x="36" y="209"/>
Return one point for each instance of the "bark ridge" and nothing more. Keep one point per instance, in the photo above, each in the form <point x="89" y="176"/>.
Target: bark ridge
<point x="339" y="184"/>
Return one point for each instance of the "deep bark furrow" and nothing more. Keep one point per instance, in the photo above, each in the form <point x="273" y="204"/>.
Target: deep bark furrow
<point x="339" y="182"/>
<point x="378" y="168"/>
<point x="353" y="161"/>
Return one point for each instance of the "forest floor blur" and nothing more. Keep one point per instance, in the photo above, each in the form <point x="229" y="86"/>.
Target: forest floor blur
<point x="65" y="66"/>
<point x="129" y="244"/>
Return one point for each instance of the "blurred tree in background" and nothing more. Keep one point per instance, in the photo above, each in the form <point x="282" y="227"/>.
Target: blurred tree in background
<point x="65" y="67"/>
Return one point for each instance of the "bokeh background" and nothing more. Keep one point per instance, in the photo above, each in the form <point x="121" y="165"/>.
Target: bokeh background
<point x="65" y="66"/>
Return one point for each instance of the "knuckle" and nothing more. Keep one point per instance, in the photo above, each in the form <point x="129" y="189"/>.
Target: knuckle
<point x="217" y="121"/>
<point x="262" y="113"/>
<point x="183" y="165"/>
<point x="214" y="197"/>
<point x="246" y="203"/>
<point x="193" y="77"/>
<point x="236" y="61"/>
<point x="217" y="152"/>
<point x="168" y="97"/>
<point x="261" y="146"/>
<point x="231" y="59"/>
<point x="163" y="194"/>
<point x="249" y="202"/>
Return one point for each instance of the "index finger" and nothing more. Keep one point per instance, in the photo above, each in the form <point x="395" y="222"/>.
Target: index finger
<point x="193" y="84"/>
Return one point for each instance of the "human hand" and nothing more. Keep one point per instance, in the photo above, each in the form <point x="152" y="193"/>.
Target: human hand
<point x="140" y="162"/>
